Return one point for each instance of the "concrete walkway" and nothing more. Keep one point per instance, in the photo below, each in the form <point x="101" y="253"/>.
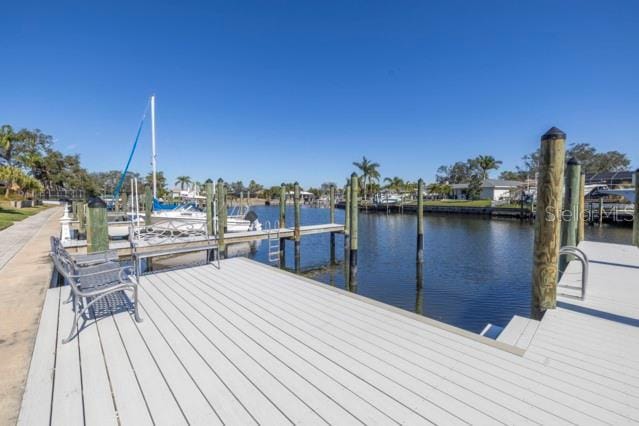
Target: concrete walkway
<point x="16" y="236"/>
<point x="25" y="273"/>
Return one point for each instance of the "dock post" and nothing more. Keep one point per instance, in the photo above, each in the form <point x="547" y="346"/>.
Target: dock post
<point x="353" y="230"/>
<point x="420" y="221"/>
<point x="347" y="232"/>
<point x="635" y="219"/>
<point x="296" y="231"/>
<point x="570" y="212"/>
<point x="125" y="202"/>
<point x="581" y="229"/>
<point x="601" y="211"/>
<point x="148" y="205"/>
<point x="221" y="217"/>
<point x="97" y="227"/>
<point x="548" y="222"/>
<point x="331" y="201"/>
<point x="82" y="218"/>
<point x="209" y="209"/>
<point x="282" y="225"/>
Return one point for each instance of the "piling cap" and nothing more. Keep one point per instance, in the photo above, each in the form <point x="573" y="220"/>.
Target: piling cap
<point x="573" y="162"/>
<point x="96" y="203"/>
<point x="283" y="184"/>
<point x="220" y="180"/>
<point x="353" y="175"/>
<point x="552" y="134"/>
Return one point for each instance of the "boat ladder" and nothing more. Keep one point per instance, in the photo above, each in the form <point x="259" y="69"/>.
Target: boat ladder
<point x="273" y="241"/>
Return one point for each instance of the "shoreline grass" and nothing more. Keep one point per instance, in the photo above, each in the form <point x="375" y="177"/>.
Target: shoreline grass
<point x="8" y="216"/>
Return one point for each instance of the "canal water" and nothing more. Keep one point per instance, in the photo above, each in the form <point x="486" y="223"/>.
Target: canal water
<point x="476" y="270"/>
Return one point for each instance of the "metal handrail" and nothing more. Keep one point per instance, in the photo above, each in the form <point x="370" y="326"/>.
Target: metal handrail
<point x="583" y="258"/>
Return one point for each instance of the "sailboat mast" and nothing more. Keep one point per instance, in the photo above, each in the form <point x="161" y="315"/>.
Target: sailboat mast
<point x="153" y="153"/>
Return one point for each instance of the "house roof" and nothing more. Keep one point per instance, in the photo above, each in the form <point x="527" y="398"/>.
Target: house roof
<point x="492" y="183"/>
<point x="609" y="177"/>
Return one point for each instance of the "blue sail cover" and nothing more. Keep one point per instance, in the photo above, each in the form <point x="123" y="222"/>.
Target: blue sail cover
<point x="161" y="206"/>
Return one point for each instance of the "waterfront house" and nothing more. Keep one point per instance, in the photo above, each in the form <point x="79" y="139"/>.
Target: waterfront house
<point x="491" y="189"/>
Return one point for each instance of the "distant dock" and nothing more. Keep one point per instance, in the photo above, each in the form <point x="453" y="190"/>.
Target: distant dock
<point x="252" y="344"/>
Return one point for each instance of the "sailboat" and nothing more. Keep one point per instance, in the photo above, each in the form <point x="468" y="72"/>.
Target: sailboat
<point x="188" y="214"/>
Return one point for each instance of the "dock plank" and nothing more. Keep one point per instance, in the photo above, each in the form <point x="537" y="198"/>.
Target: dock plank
<point x="36" y="401"/>
<point x="553" y="395"/>
<point x="99" y="406"/>
<point x="129" y="399"/>
<point x="68" y="407"/>
<point x="157" y="394"/>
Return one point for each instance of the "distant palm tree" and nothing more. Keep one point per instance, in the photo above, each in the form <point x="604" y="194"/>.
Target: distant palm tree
<point x="395" y="183"/>
<point x="182" y="181"/>
<point x="487" y="162"/>
<point x="369" y="172"/>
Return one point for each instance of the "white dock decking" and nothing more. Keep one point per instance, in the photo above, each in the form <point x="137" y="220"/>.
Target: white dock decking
<point x="251" y="344"/>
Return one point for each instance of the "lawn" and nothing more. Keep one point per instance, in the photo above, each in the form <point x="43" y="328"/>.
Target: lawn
<point x="9" y="216"/>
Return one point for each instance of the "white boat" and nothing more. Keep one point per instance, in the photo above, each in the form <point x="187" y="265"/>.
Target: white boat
<point x="191" y="216"/>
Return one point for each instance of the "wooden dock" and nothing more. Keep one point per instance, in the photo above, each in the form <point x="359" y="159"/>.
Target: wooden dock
<point x="248" y="344"/>
<point x="124" y="246"/>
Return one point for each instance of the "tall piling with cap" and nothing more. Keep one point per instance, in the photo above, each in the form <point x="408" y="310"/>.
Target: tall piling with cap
<point x="97" y="226"/>
<point x="221" y="217"/>
<point x="353" y="230"/>
<point x="635" y="221"/>
<point x="331" y="218"/>
<point x="570" y="212"/>
<point x="548" y="222"/>
<point x="148" y="205"/>
<point x="581" y="229"/>
<point x="298" y="224"/>
<point x="420" y="221"/>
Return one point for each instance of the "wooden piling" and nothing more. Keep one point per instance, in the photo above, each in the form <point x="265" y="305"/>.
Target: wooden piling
<point x="635" y="222"/>
<point x="347" y="230"/>
<point x="548" y="222"/>
<point x="601" y="211"/>
<point x="282" y="225"/>
<point x="354" y="230"/>
<point x="570" y="217"/>
<point x="209" y="209"/>
<point x="125" y="202"/>
<point x="331" y="214"/>
<point x="420" y="221"/>
<point x="581" y="228"/>
<point x="298" y="223"/>
<point x="148" y="205"/>
<point x="97" y="227"/>
<point x="82" y="218"/>
<point x="221" y="217"/>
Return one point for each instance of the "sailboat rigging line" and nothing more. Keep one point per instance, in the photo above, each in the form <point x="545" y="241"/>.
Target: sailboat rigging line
<point x="118" y="187"/>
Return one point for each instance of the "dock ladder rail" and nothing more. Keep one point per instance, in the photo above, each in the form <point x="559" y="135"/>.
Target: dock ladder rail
<point x="273" y="234"/>
<point x="579" y="254"/>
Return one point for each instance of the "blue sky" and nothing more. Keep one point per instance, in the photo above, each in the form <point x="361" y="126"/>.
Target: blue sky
<point x="286" y="90"/>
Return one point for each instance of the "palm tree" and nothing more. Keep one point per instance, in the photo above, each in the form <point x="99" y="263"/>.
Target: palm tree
<point x="182" y="181"/>
<point x="485" y="163"/>
<point x="369" y="172"/>
<point x="7" y="137"/>
<point x="395" y="183"/>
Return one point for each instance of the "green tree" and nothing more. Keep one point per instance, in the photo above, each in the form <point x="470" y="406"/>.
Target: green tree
<point x="182" y="181"/>
<point x="395" y="183"/>
<point x="369" y="172"/>
<point x="474" y="187"/>
<point x="486" y="163"/>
